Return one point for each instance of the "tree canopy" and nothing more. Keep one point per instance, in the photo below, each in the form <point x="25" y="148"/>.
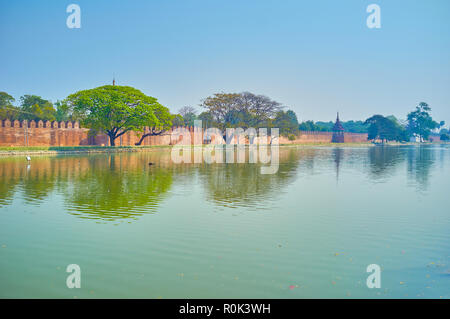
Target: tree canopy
<point x="188" y="114"/>
<point x="116" y="110"/>
<point x="7" y="109"/>
<point x="287" y="122"/>
<point x="421" y="123"/>
<point x="349" y="126"/>
<point x="384" y="129"/>
<point x="34" y="107"/>
<point x="248" y="109"/>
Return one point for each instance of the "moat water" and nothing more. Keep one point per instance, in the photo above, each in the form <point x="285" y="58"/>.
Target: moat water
<point x="226" y="231"/>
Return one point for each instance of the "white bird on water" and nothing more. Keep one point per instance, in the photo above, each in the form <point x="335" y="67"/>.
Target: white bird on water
<point x="28" y="158"/>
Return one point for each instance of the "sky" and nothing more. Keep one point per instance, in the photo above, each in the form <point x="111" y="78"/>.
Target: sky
<point x="315" y="57"/>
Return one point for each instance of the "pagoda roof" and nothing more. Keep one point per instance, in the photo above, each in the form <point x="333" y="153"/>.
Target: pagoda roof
<point x="338" y="126"/>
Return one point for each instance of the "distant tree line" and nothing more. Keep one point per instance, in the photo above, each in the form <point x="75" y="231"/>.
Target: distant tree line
<point x="244" y="110"/>
<point x="419" y="123"/>
<point x="349" y="126"/>
<point x="115" y="110"/>
<point x="33" y="107"/>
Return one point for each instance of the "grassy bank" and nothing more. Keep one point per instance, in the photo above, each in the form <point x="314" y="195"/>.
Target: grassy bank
<point x="328" y="144"/>
<point x="43" y="150"/>
<point x="39" y="150"/>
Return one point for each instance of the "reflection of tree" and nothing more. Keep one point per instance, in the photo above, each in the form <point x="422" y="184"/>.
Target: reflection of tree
<point x="232" y="185"/>
<point x="384" y="159"/>
<point x="8" y="184"/>
<point x="94" y="186"/>
<point x="37" y="186"/>
<point x="420" y="160"/>
<point x="17" y="175"/>
<point x="120" y="187"/>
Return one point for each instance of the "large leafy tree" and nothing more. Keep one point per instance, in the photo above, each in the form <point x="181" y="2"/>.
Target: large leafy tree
<point x="383" y="128"/>
<point x="219" y="105"/>
<point x="235" y="118"/>
<point x="420" y="121"/>
<point x="287" y="122"/>
<point x="177" y="120"/>
<point x="207" y="119"/>
<point x="63" y="112"/>
<point x="116" y="110"/>
<point x="189" y="115"/>
<point x="7" y="109"/>
<point x="34" y="107"/>
<point x="255" y="110"/>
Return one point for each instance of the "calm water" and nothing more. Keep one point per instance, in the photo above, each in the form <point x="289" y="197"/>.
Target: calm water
<point x="225" y="230"/>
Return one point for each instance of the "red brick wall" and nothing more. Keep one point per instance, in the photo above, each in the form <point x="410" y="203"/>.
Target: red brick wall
<point x="323" y="137"/>
<point x="42" y="134"/>
<point x="70" y="134"/>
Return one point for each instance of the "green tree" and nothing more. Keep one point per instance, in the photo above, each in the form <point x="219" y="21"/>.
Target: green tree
<point x="177" y="120"/>
<point x="116" y="110"/>
<point x="7" y="109"/>
<point x="189" y="115"/>
<point x="420" y="122"/>
<point x="207" y="120"/>
<point x="349" y="126"/>
<point x="382" y="128"/>
<point x="287" y="122"/>
<point x="63" y="112"/>
<point x="402" y="134"/>
<point x="355" y="126"/>
<point x="235" y="118"/>
<point x="34" y="107"/>
<point x="325" y="126"/>
<point x="308" y="126"/>
<point x="257" y="110"/>
<point x="444" y="134"/>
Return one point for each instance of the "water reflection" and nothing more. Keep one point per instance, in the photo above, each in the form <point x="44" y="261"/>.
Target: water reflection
<point x="420" y="163"/>
<point x="124" y="186"/>
<point x="384" y="161"/>
<point x="118" y="187"/>
<point x="243" y="185"/>
<point x="338" y="154"/>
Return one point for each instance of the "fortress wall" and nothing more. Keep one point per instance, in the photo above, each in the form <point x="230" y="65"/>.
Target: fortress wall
<point x="40" y="133"/>
<point x="47" y="133"/>
<point x="306" y="137"/>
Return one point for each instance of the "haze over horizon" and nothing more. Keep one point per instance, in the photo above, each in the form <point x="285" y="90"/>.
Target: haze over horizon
<point x="316" y="58"/>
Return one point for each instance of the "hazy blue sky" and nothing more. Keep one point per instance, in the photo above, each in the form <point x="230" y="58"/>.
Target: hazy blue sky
<point x="316" y="57"/>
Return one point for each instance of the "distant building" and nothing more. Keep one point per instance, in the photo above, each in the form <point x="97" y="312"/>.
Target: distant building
<point x="338" y="131"/>
<point x="435" y="138"/>
<point x="416" y="139"/>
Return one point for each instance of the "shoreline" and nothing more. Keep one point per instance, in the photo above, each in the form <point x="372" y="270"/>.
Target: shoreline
<point x="71" y="150"/>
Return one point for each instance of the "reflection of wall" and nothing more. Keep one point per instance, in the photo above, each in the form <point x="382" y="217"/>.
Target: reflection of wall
<point x="108" y="187"/>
